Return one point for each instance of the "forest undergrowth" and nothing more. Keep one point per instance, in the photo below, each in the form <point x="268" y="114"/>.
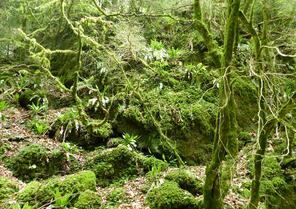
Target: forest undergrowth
<point x="147" y="104"/>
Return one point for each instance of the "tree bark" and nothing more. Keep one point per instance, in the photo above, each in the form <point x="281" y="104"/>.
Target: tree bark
<point x="267" y="130"/>
<point x="225" y="142"/>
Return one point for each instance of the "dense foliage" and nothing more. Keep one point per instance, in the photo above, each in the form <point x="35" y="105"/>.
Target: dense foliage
<point x="105" y="82"/>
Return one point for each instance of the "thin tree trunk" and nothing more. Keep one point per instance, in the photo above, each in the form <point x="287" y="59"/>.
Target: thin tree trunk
<point x="267" y="130"/>
<point x="225" y="142"/>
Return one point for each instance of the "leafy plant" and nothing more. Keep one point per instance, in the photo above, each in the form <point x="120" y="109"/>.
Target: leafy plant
<point x="130" y="140"/>
<point x="156" y="45"/>
<point x="69" y="149"/>
<point x="175" y="53"/>
<point x="37" y="109"/>
<point x="3" y="105"/>
<point x="67" y="122"/>
<point x="61" y="201"/>
<point x="18" y="206"/>
<point x="39" y="127"/>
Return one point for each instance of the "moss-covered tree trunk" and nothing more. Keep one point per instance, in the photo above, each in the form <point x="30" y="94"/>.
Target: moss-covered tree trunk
<point x="207" y="36"/>
<point x="225" y="142"/>
<point x="266" y="132"/>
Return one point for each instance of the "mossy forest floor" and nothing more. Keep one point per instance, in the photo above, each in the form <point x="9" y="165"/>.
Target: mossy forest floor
<point x="128" y="192"/>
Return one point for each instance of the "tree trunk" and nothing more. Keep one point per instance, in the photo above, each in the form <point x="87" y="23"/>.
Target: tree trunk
<point x="263" y="138"/>
<point x="225" y="142"/>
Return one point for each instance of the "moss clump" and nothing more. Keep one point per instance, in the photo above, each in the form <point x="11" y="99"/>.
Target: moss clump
<point x="121" y="162"/>
<point x="3" y="148"/>
<point x="88" y="200"/>
<point x="186" y="181"/>
<point x="270" y="167"/>
<point x="38" y="193"/>
<point x="116" y="196"/>
<point x="170" y="196"/>
<point x="36" y="161"/>
<point x="279" y="194"/>
<point x="83" y="133"/>
<point x="7" y="187"/>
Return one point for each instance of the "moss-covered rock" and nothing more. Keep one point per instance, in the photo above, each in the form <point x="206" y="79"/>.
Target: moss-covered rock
<point x="186" y="181"/>
<point x="7" y="187"/>
<point x="116" y="196"/>
<point x="188" y="122"/>
<point x="38" y="193"/>
<point x="112" y="164"/>
<point x="80" y="132"/>
<point x="36" y="161"/>
<point x="88" y="200"/>
<point x="170" y="196"/>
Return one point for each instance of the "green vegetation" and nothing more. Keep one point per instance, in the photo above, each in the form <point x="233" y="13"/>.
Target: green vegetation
<point x="38" y="193"/>
<point x="7" y="187"/>
<point x="36" y="161"/>
<point x="184" y="104"/>
<point x="116" y="196"/>
<point x="119" y="163"/>
<point x="186" y="181"/>
<point x="88" y="200"/>
<point x="169" y="195"/>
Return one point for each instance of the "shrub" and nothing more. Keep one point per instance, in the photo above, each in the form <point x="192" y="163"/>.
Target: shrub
<point x="279" y="194"/>
<point x="270" y="167"/>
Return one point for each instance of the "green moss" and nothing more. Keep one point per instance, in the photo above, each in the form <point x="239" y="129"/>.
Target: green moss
<point x="114" y="142"/>
<point x="116" y="196"/>
<point x="31" y="193"/>
<point x="147" y="163"/>
<point x="183" y="115"/>
<point x="186" y="181"/>
<point x="279" y="194"/>
<point x="246" y="99"/>
<point x="270" y="167"/>
<point x="36" y="161"/>
<point x="3" y="148"/>
<point x="38" y="193"/>
<point x="104" y="131"/>
<point x="117" y="163"/>
<point x="170" y="196"/>
<point x="88" y="200"/>
<point x="7" y="187"/>
<point x="82" y="132"/>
